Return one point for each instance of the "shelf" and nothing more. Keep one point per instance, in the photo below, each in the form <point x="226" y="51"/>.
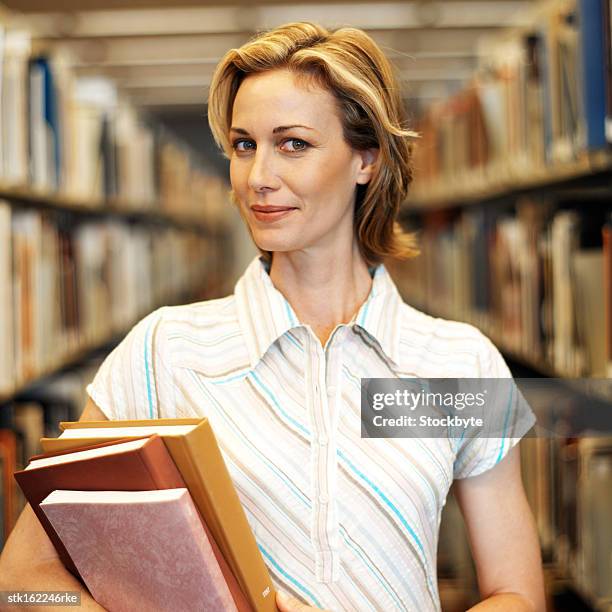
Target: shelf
<point x="79" y="355"/>
<point x="507" y="181"/>
<point x="115" y="207"/>
<point x="600" y="388"/>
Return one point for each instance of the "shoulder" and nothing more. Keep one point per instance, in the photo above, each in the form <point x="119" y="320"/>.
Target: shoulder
<point x="205" y="336"/>
<point x="199" y="316"/>
<point x="444" y="347"/>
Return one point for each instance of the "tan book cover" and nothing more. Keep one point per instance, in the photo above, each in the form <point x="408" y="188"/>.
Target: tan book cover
<point x="196" y="454"/>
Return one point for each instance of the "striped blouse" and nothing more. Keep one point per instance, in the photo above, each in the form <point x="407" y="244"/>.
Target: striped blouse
<point x="342" y="522"/>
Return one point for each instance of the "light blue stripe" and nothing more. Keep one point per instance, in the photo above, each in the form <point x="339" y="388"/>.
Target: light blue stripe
<point x="501" y="450"/>
<point x="290" y="314"/>
<point x="392" y="507"/>
<point x="372" y="571"/>
<point x="291" y="579"/>
<point x="148" y="374"/>
<point x="357" y="383"/>
<point x="305" y="500"/>
<point x="239" y="376"/>
<point x="365" y="313"/>
<point x="272" y="398"/>
<point x="294" y="341"/>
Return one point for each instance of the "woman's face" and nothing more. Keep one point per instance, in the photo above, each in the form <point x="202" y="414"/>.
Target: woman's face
<point x="291" y="170"/>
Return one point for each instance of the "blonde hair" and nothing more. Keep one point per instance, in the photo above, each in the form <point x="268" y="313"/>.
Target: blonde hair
<point x="349" y="64"/>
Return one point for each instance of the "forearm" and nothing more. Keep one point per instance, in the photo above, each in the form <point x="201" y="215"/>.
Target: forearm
<point x="48" y="575"/>
<point x="505" y="602"/>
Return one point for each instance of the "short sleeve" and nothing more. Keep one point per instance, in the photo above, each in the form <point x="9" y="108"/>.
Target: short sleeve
<point x="135" y="379"/>
<point x="513" y="417"/>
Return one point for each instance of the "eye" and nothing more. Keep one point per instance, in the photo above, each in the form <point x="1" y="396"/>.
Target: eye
<point x="298" y="144"/>
<point x="236" y="145"/>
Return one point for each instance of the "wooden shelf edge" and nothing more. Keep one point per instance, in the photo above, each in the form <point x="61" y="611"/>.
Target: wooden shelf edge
<point x="595" y="162"/>
<point x="120" y="208"/>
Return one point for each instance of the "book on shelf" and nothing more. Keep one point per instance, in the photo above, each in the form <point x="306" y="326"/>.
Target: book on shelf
<point x="193" y="447"/>
<point x="607" y="290"/>
<point x="80" y="138"/>
<point x="44" y="149"/>
<point x="8" y="452"/>
<point x="2" y="510"/>
<point x="607" y="38"/>
<point x="14" y="109"/>
<point x="591" y="21"/>
<point x="536" y="102"/>
<point x="588" y="274"/>
<point x="594" y="529"/>
<point x="65" y="286"/>
<point x="534" y="277"/>
<point x="6" y="301"/>
<point x="140" y="549"/>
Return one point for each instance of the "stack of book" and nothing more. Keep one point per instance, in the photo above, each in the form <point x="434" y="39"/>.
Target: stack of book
<point x="145" y="513"/>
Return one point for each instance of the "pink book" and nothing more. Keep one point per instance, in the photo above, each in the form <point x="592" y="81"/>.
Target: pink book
<point x="140" y="550"/>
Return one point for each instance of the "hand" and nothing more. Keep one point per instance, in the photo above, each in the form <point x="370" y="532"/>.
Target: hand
<point x="286" y="603"/>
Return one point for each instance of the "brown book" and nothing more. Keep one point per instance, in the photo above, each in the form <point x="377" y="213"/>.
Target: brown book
<point x="194" y="449"/>
<point x="607" y="290"/>
<point x="8" y="453"/>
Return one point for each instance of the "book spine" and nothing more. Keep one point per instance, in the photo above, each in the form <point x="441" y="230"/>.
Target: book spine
<point x="607" y="289"/>
<point x="607" y="26"/>
<point x="593" y="72"/>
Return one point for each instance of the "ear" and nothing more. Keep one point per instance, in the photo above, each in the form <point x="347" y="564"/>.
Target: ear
<point x="367" y="169"/>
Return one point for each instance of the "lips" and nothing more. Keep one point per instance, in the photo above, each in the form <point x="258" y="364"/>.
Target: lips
<point x="271" y="209"/>
<point x="270" y="214"/>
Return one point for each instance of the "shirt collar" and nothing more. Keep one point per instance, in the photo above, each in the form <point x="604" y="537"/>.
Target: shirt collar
<point x="265" y="314"/>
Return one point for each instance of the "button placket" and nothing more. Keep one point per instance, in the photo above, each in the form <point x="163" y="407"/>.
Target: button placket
<point x="324" y="528"/>
<point x="330" y="560"/>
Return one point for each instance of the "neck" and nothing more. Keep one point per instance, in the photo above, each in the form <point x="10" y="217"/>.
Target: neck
<point x="324" y="292"/>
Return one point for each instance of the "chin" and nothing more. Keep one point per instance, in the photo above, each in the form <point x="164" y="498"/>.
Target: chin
<point x="266" y="241"/>
<point x="276" y="246"/>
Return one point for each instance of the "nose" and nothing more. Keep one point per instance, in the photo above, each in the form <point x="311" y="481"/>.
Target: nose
<point x="262" y="174"/>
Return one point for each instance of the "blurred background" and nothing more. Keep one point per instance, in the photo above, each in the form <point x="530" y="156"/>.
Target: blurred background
<point x="114" y="201"/>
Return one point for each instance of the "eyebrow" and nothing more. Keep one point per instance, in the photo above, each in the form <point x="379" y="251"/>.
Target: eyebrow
<point x="276" y="130"/>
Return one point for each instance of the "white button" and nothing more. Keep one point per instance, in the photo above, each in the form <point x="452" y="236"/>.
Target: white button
<point x="322" y="440"/>
<point x="323" y="498"/>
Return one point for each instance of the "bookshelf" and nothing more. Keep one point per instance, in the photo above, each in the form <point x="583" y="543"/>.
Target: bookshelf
<point x="592" y="169"/>
<point x="524" y="142"/>
<point x="512" y="204"/>
<point x="105" y="215"/>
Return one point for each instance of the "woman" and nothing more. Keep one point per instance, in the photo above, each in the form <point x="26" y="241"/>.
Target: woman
<point x="312" y="123"/>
